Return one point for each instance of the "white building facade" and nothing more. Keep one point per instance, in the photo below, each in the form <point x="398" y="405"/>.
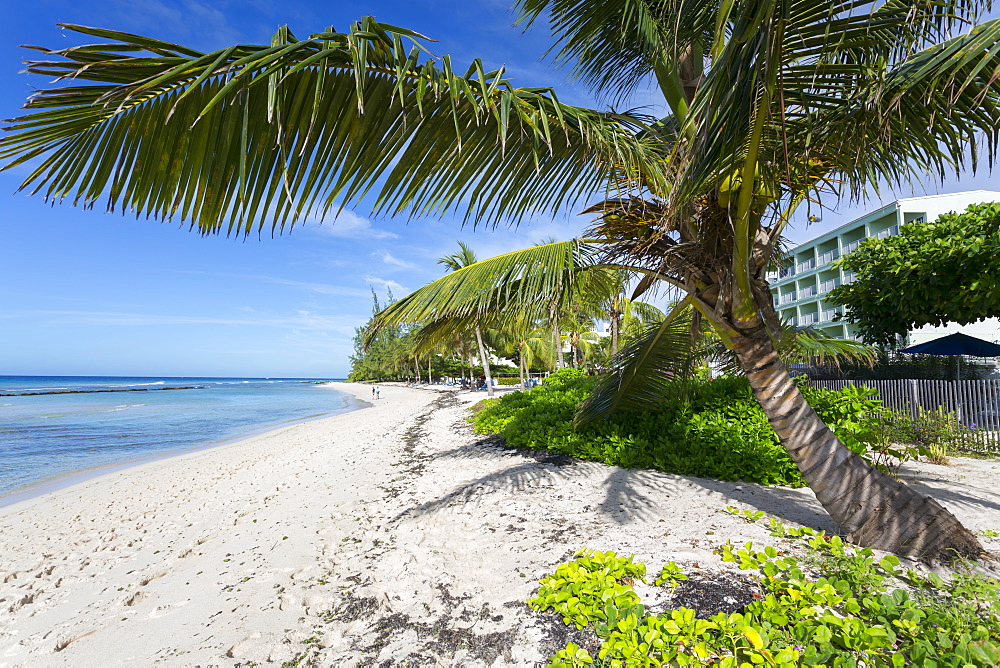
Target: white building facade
<point x="799" y="289"/>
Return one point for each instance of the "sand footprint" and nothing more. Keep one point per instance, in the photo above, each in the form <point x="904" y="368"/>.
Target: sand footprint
<point x="136" y="598"/>
<point x="63" y="643"/>
<point x="164" y="610"/>
<point x="27" y="599"/>
<point x="145" y="581"/>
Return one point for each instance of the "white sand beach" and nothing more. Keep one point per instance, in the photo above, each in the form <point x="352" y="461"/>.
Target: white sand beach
<point x="391" y="535"/>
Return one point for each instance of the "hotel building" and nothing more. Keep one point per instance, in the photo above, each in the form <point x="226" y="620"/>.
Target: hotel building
<point x="800" y="287"/>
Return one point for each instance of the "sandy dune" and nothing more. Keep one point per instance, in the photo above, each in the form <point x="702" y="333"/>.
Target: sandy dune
<point x="390" y="535"/>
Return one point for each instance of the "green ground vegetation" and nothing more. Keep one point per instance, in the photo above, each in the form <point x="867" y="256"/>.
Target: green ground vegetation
<point x="708" y="428"/>
<point x="823" y="603"/>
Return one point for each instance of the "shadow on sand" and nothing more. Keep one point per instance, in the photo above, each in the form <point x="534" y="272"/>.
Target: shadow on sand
<point x="629" y="495"/>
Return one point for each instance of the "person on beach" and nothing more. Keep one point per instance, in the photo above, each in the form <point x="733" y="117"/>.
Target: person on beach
<point x="378" y="393"/>
<point x="373" y="391"/>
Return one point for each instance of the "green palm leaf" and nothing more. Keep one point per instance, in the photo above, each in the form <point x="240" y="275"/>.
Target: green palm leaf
<point x="667" y="353"/>
<point x="807" y="345"/>
<point x="267" y="135"/>
<point x="643" y="372"/>
<point x="510" y="287"/>
<point x="617" y="46"/>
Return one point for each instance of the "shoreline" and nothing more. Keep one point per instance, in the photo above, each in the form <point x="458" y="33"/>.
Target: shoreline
<point x="392" y="535"/>
<point x="68" y="479"/>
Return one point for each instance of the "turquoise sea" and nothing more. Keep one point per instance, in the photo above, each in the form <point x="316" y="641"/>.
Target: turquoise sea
<point x="55" y="430"/>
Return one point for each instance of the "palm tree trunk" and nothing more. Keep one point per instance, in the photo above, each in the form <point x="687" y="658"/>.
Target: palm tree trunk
<point x="615" y="318"/>
<point x="486" y="362"/>
<point x="556" y="338"/>
<point x="430" y="358"/>
<point x="521" y="365"/>
<point x="870" y="507"/>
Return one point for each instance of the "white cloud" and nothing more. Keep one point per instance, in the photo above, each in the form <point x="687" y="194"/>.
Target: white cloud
<point x="349" y="225"/>
<point x="381" y="284"/>
<point x="319" y="288"/>
<point x="388" y="258"/>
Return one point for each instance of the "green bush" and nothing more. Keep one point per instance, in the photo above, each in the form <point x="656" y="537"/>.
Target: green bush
<point x="718" y="431"/>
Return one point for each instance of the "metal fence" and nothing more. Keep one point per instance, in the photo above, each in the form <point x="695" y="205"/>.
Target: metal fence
<point x="975" y="403"/>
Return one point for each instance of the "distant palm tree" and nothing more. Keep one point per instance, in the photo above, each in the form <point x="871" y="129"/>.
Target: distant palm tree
<point x="463" y="258"/>
<point x="770" y="105"/>
<point x="626" y="318"/>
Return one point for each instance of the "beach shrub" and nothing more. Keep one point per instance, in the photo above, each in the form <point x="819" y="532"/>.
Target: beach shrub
<point x="594" y="587"/>
<point x="716" y="429"/>
<point x="831" y="604"/>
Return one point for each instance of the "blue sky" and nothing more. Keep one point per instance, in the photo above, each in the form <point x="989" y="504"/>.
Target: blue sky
<point x="86" y="292"/>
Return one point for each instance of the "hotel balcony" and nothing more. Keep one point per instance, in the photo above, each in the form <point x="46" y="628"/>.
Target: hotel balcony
<point x="852" y="246"/>
<point x="828" y="257"/>
<point x="888" y="232"/>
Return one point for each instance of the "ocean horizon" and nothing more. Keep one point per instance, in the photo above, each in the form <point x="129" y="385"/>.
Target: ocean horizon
<point x="57" y="430"/>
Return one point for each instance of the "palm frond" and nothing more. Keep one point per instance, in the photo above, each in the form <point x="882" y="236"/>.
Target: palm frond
<point x="647" y="370"/>
<point x="799" y="345"/>
<point x="513" y="286"/>
<point x="257" y="135"/>
<point x="617" y="46"/>
<point x="923" y="117"/>
<point x="814" y="92"/>
<point x="807" y="345"/>
<point x="463" y="258"/>
<point x="436" y="334"/>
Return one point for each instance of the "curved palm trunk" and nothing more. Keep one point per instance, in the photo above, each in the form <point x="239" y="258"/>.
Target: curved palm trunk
<point x="871" y="508"/>
<point x="486" y="362"/>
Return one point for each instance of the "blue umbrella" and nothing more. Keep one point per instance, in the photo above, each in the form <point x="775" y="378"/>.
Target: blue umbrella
<point x="956" y="344"/>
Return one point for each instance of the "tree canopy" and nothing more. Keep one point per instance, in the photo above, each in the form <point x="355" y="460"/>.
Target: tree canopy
<point x="931" y="273"/>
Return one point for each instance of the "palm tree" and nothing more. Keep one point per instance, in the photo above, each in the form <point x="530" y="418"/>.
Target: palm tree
<point x="627" y="317"/>
<point x="463" y="258"/>
<point x="770" y="105"/>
